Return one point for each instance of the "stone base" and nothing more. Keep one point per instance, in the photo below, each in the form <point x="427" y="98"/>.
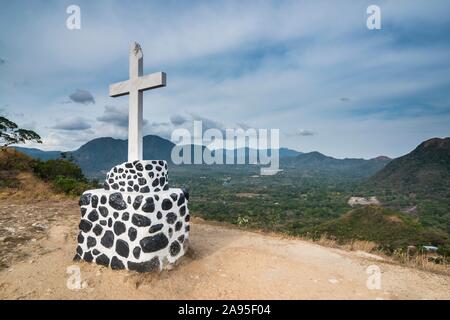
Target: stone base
<point x="135" y="231"/>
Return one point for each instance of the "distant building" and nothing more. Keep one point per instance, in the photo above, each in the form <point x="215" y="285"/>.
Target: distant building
<point x="354" y="201"/>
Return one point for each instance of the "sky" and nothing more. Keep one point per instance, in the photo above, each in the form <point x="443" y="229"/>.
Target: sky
<point x="309" y="68"/>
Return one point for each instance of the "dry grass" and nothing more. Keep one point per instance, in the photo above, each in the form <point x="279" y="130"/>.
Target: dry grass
<point x="360" y="245"/>
<point x="419" y="261"/>
<point x="424" y="262"/>
<point x="30" y="189"/>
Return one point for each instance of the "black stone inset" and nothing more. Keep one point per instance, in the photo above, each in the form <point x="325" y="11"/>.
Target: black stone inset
<point x="95" y="252"/>
<point x="85" y="225"/>
<point x="91" y="242"/>
<point x="182" y="211"/>
<point x="85" y="199"/>
<point x="94" y="201"/>
<point x="137" y="252"/>
<point x="119" y="228"/>
<point x="116" y="264"/>
<point x="181" y="200"/>
<point x="149" y="205"/>
<point x="102" y="260"/>
<point x="132" y="233"/>
<point x="174" y="248"/>
<point x="107" y="239"/>
<point x="155" y="228"/>
<point x="166" y="204"/>
<point x="103" y="211"/>
<point x="116" y="201"/>
<point x="103" y="199"/>
<point x="140" y="220"/>
<point x="93" y="215"/>
<point x="137" y="202"/>
<point x="83" y="211"/>
<point x="154" y="243"/>
<point x="122" y="248"/>
<point x="178" y="226"/>
<point x="145" y="189"/>
<point x="187" y="218"/>
<point x="88" y="256"/>
<point x="148" y="266"/>
<point x="97" y="230"/>
<point x="186" y="193"/>
<point x="125" y="216"/>
<point x="171" y="218"/>
<point x="80" y="238"/>
<point x="181" y="238"/>
<point x="79" y="250"/>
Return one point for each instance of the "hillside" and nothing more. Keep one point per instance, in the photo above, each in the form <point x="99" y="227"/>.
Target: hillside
<point x="425" y="170"/>
<point x="388" y="228"/>
<point x="27" y="179"/>
<point x="99" y="155"/>
<point x="18" y="181"/>
<point x="318" y="163"/>
<point x="38" y="153"/>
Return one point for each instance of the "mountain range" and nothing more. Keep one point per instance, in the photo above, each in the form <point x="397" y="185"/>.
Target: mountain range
<point x="99" y="155"/>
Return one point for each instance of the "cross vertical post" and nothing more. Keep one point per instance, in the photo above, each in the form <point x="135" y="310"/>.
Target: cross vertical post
<point x="135" y="87"/>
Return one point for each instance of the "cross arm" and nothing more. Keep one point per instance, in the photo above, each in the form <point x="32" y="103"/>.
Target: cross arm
<point x="119" y="89"/>
<point x="150" y="81"/>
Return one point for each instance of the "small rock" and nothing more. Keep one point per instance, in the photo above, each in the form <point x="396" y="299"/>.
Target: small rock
<point x="333" y="281"/>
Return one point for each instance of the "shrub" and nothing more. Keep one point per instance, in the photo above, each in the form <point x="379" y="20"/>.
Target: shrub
<point x="69" y="185"/>
<point x="51" y="169"/>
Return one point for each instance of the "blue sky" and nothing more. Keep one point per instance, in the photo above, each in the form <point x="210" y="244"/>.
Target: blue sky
<point x="310" y="68"/>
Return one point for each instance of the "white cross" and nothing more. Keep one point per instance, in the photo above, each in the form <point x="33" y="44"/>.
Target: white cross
<point x="135" y="86"/>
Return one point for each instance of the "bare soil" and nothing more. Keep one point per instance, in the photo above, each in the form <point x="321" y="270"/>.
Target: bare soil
<point x="38" y="240"/>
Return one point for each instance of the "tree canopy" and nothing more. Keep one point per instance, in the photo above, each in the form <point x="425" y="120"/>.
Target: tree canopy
<point x="10" y="133"/>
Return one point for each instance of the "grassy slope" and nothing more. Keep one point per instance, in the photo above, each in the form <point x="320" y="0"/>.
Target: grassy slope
<point x="27" y="179"/>
<point x="18" y="182"/>
<point x="388" y="228"/>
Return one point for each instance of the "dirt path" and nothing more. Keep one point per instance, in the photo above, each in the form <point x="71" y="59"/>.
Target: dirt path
<point x="224" y="263"/>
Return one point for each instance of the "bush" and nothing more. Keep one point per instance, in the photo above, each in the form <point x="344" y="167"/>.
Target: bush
<point x="65" y="176"/>
<point x="51" y="169"/>
<point x="70" y="185"/>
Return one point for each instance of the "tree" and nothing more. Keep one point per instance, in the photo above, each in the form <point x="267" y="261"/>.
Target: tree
<point x="10" y="133"/>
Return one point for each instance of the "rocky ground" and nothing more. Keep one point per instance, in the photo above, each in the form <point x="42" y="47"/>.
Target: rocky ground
<point x="38" y="240"/>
